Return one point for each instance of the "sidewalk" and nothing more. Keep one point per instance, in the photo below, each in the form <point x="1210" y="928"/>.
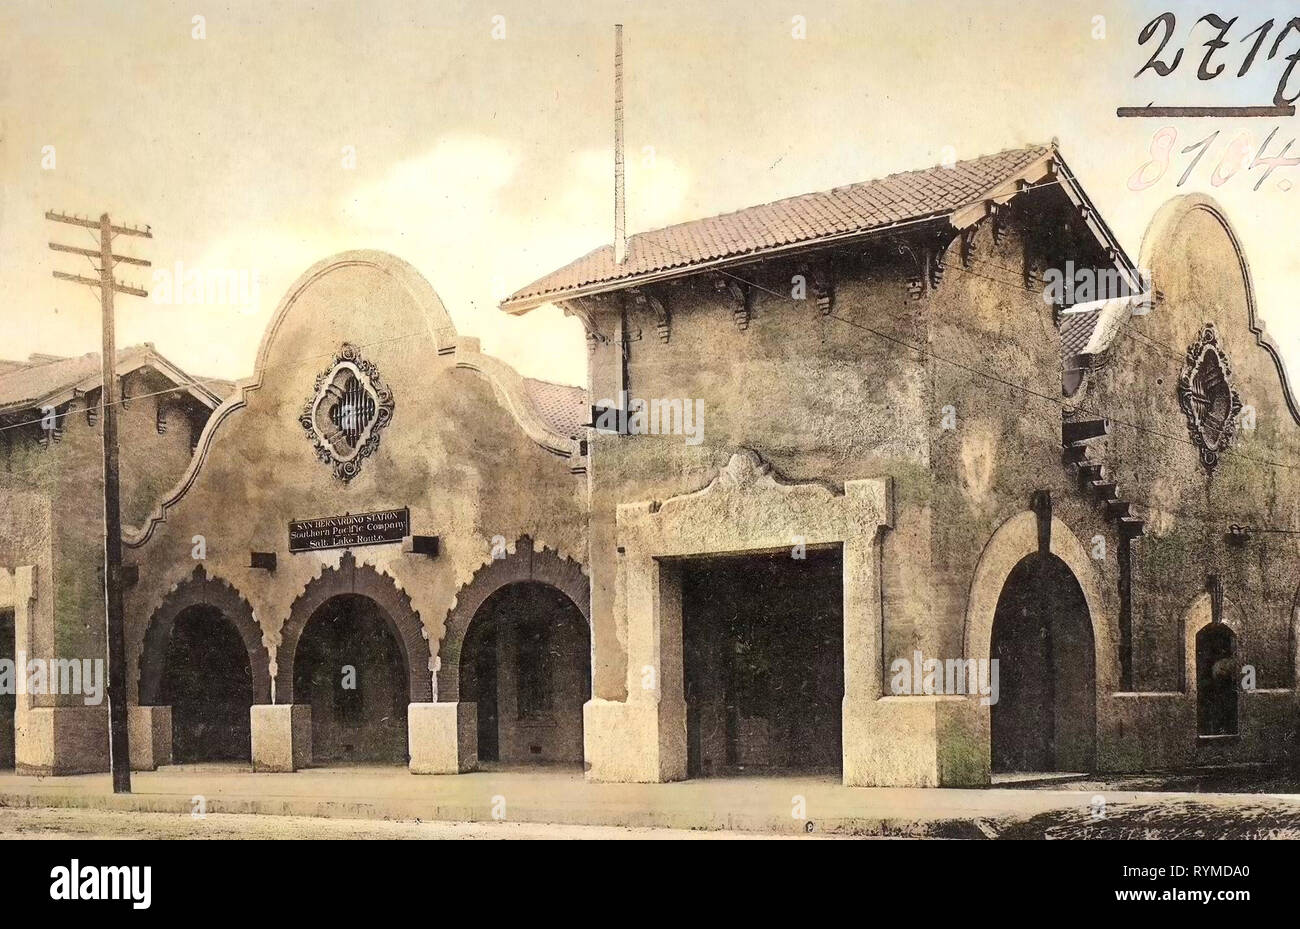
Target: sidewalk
<point x="562" y="796"/>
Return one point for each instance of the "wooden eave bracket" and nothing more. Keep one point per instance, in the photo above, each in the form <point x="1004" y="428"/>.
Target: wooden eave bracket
<point x="584" y="309"/>
<point x="643" y="298"/>
<point x="741" y="295"/>
<point x="971" y="214"/>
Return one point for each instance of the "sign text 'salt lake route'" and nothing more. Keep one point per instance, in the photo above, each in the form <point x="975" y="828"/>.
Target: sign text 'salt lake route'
<point x="377" y="528"/>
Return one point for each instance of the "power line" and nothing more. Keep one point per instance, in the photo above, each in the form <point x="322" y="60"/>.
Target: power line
<point x="1053" y="400"/>
<point x="203" y="382"/>
<point x="1020" y="387"/>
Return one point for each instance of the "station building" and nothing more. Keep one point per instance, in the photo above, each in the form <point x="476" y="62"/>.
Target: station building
<point x="381" y="522"/>
<point x="1100" y="493"/>
<point x="877" y="447"/>
<point x="52" y="524"/>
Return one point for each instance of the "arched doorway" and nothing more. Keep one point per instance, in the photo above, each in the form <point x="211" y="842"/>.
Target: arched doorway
<point x="349" y="667"/>
<point x="1046" y="712"/>
<point x="1216" y="681"/>
<point x="208" y="682"/>
<point x="526" y="663"/>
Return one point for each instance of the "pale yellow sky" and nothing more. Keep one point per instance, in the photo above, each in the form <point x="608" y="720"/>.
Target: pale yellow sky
<point x="486" y="162"/>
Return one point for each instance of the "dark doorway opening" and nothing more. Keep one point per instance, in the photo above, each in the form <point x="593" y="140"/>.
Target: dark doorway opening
<point x="350" y="668"/>
<point x="482" y="679"/>
<point x="763" y="640"/>
<point x="208" y="683"/>
<point x="8" y="701"/>
<point x="1216" y="681"/>
<point x="1045" y="718"/>
<point x="526" y="663"/>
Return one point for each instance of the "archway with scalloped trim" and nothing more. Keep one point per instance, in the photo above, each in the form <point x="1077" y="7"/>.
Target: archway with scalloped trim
<point x="397" y="612"/>
<point x="525" y="563"/>
<point x="204" y="657"/>
<point x="526" y="666"/>
<point x="200" y="589"/>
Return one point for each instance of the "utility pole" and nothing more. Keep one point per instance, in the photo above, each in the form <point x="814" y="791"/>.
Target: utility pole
<point x="620" y="198"/>
<point x="118" y="750"/>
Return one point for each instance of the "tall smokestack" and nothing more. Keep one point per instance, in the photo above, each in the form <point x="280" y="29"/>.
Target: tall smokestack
<point x="620" y="206"/>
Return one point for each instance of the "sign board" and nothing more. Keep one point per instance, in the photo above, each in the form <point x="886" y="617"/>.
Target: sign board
<point x="350" y="530"/>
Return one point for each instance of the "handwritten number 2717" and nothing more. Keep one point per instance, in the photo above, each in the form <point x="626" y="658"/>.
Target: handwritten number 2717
<point x="1168" y="22"/>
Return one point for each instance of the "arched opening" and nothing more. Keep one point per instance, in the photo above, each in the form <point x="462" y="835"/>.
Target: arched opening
<point x="349" y="667"/>
<point x="1216" y="681"/>
<point x="1045" y="718"/>
<point x="208" y="683"/>
<point x="8" y="695"/>
<point x="763" y="662"/>
<point x="526" y="663"/>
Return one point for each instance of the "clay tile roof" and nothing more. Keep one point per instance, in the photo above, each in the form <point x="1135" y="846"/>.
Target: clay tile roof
<point x="47" y="377"/>
<point x="564" y="408"/>
<point x="805" y="219"/>
<point x="1076" y="331"/>
<point x="44" y="375"/>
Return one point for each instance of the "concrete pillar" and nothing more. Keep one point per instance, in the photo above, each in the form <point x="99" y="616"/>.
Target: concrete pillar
<point x="149" y="729"/>
<point x="867" y="759"/>
<point x="643" y="740"/>
<point x="55" y="740"/>
<point x="281" y="736"/>
<point x="443" y="737"/>
<point x="48" y="739"/>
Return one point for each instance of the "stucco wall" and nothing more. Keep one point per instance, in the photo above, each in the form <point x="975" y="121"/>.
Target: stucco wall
<point x="453" y="453"/>
<point x="1197" y="265"/>
<point x="814" y="396"/>
<point x="62" y="483"/>
<point x="822" y="399"/>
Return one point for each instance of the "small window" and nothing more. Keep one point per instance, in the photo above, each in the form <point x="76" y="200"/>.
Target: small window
<point x="1216" y="681"/>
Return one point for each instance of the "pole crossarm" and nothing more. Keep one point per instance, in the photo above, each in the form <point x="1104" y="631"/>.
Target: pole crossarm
<point x="91" y="253"/>
<point x="94" y="224"/>
<point x="91" y="282"/>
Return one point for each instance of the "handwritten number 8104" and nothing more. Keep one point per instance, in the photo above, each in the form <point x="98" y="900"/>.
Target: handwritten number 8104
<point x="1232" y="160"/>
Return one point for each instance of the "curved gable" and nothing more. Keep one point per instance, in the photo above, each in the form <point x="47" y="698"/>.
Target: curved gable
<point x="385" y="308"/>
<point x="1191" y="243"/>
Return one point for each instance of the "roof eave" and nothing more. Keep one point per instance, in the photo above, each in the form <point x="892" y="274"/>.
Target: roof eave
<point x="1093" y="219"/>
<point x="517" y="307"/>
<point x="1049" y="164"/>
<point x="152" y="359"/>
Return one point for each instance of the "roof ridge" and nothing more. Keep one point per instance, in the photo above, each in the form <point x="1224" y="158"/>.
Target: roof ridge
<point x="542" y="380"/>
<point x="843" y="187"/>
<point x="798" y="221"/>
<point x="36" y="382"/>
